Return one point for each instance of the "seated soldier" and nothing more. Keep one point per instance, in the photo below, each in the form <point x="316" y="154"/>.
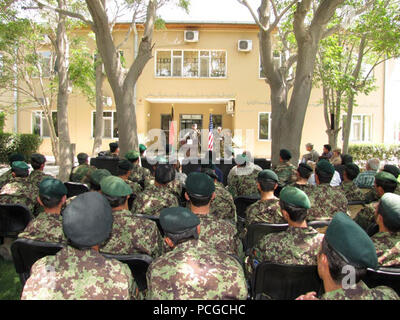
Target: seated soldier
<point x="285" y="171"/>
<point x="372" y="196"/>
<point x="242" y="178"/>
<point x="95" y="178"/>
<point x="79" y="271"/>
<point x="216" y="233"/>
<point x="313" y="154"/>
<point x="366" y="178"/>
<point x="192" y="270"/>
<point x="139" y="174"/>
<point x="326" y="200"/>
<point x="38" y="162"/>
<point x="158" y="196"/>
<point x="387" y="240"/>
<point x="114" y="150"/>
<point x="130" y="234"/>
<point x="303" y="173"/>
<point x="336" y="159"/>
<point x="384" y="182"/>
<point x="82" y="171"/>
<point x="346" y="158"/>
<point x="222" y="206"/>
<point x="6" y="177"/>
<point x="299" y="244"/>
<point x="267" y="208"/>
<point x="47" y="226"/>
<point x="346" y="253"/>
<point x="125" y="168"/>
<point x="351" y="191"/>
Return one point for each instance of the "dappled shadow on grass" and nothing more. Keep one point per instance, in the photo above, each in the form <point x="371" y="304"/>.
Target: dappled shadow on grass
<point x="10" y="286"/>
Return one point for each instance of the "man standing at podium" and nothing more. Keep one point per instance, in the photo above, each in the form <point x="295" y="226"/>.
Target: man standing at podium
<point x="192" y="139"/>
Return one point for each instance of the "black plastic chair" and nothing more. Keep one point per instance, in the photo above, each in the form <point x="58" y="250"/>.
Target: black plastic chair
<point x="283" y="282"/>
<point x="138" y="263"/>
<point x="319" y="224"/>
<point x="153" y="218"/>
<point x="13" y="219"/>
<point x="26" y="252"/>
<point x="109" y="163"/>
<point x="263" y="163"/>
<point x="75" y="188"/>
<point x="258" y="230"/>
<point x="384" y="276"/>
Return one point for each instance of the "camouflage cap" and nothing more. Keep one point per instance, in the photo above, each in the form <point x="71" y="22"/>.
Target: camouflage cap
<point x="177" y="220"/>
<point x="15" y="157"/>
<point x="385" y="176"/>
<point x="38" y="158"/>
<point x="115" y="187"/>
<point x="52" y="188"/>
<point x="353" y="169"/>
<point x="20" y="165"/>
<point x="198" y="183"/>
<point x="285" y="154"/>
<point x="394" y="170"/>
<point x="82" y="156"/>
<point x="125" y="165"/>
<point x="389" y="208"/>
<point x="132" y="155"/>
<point x="351" y="242"/>
<point x="97" y="175"/>
<point x="142" y="148"/>
<point x="267" y="175"/>
<point x="295" y="197"/>
<point x="325" y="166"/>
<point x="87" y="221"/>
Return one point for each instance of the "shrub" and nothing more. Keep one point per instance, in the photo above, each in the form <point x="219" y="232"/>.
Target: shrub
<point x="25" y="144"/>
<point x="386" y="153"/>
<point x="2" y="121"/>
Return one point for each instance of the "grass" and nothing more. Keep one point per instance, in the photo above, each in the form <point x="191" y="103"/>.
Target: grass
<point x="10" y="286"/>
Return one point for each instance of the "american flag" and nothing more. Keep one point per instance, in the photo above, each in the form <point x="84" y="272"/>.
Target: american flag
<point x="210" y="135"/>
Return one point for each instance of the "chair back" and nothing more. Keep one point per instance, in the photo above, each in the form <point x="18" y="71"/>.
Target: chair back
<point x="75" y="188"/>
<point x="13" y="219"/>
<point x="284" y="282"/>
<point x="319" y="225"/>
<point x="384" y="276"/>
<point x="258" y="230"/>
<point x="263" y="163"/>
<point x="243" y="202"/>
<point x="109" y="163"/>
<point x="138" y="264"/>
<point x="26" y="252"/>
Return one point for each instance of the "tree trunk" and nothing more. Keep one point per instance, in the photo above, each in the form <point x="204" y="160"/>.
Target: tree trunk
<point x="99" y="127"/>
<point x="347" y="127"/>
<point x="62" y="49"/>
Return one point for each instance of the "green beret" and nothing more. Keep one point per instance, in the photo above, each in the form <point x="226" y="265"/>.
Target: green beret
<point x="394" y="170"/>
<point x="267" y="175"/>
<point x="115" y="187"/>
<point x="125" y="165"/>
<point x="99" y="174"/>
<point x="295" y="197"/>
<point x="38" y="158"/>
<point x="389" y="208"/>
<point x="385" y="176"/>
<point x="304" y="170"/>
<point x="198" y="183"/>
<point x="82" y="156"/>
<point x="177" y="220"/>
<point x="20" y="165"/>
<point x="142" y="148"/>
<point x="52" y="188"/>
<point x="350" y="241"/>
<point x="15" y="157"/>
<point x="325" y="166"/>
<point x="132" y="155"/>
<point x="87" y="221"/>
<point x="285" y="154"/>
<point x="353" y="169"/>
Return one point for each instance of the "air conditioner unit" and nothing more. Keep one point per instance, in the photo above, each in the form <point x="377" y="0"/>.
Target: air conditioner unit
<point x="107" y="101"/>
<point x="245" y="45"/>
<point x="191" y="36"/>
<point x="230" y="107"/>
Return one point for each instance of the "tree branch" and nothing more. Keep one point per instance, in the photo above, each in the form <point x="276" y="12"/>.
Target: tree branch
<point x="246" y="4"/>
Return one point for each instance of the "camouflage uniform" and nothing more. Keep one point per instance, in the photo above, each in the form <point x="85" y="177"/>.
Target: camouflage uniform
<point x="136" y="188"/>
<point x="264" y="211"/>
<point x="366" y="216"/>
<point x="5" y="178"/>
<point x="325" y="202"/>
<point x="132" y="234"/>
<point x="372" y="196"/>
<point x="352" y="192"/>
<point x="45" y="227"/>
<point x="109" y="154"/>
<point x="36" y="176"/>
<point x="387" y="248"/>
<point x="194" y="271"/>
<point x="80" y="173"/>
<point x="223" y="206"/>
<point x="174" y="186"/>
<point x="139" y="173"/>
<point x="362" y="292"/>
<point x="152" y="200"/>
<point x="20" y="191"/>
<point x="244" y="182"/>
<point x="79" y="275"/>
<point x="286" y="173"/>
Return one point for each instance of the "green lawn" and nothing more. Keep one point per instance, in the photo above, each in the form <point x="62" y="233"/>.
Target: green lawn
<point x="10" y="286"/>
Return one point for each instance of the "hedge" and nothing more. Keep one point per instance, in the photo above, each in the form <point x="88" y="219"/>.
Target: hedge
<point x="25" y="144"/>
<point x="363" y="152"/>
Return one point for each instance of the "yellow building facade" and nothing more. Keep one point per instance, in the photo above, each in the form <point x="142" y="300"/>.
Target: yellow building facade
<point x="199" y="69"/>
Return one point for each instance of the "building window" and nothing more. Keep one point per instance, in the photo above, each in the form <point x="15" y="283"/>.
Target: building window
<point x="191" y="63"/>
<point x="264" y="126"/>
<point x="110" y="125"/>
<point x="40" y="126"/>
<point x="45" y="62"/>
<point x="361" y="128"/>
<point x="1" y="64"/>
